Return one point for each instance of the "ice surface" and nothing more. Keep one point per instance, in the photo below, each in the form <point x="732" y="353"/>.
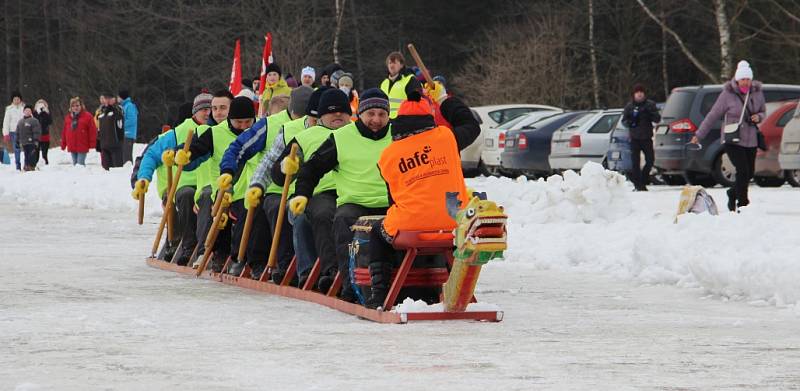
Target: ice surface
<point x="589" y="297"/>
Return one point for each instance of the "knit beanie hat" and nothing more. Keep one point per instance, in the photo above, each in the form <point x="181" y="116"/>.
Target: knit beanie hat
<point x="312" y="109"/>
<point x="241" y="108"/>
<point x="335" y="78"/>
<point x="345" y="76"/>
<point x="298" y="99"/>
<point x="201" y="101"/>
<point x="124" y="93"/>
<point x="419" y="107"/>
<point x="638" y="87"/>
<point x="743" y="71"/>
<point x="334" y="101"/>
<point x="373" y="98"/>
<point x="273" y="68"/>
<point x="308" y="71"/>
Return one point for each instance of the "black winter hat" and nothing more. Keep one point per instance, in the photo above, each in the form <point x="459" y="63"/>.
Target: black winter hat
<point x="334" y="101"/>
<point x="28" y="107"/>
<point x="124" y="93"/>
<point x="373" y="98"/>
<point x="241" y="108"/>
<point x="273" y="68"/>
<point x="313" y="101"/>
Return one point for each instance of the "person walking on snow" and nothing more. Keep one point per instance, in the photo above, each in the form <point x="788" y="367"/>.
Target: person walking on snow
<point x="741" y="93"/>
<point x="12" y="116"/>
<point x="131" y="124"/>
<point x="42" y="112"/>
<point x="28" y="133"/>
<point x="639" y="116"/>
<point x="79" y="133"/>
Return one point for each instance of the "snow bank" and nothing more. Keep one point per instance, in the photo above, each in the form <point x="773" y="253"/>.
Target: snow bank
<point x="592" y="222"/>
<point x="410" y="305"/>
<point x="62" y="184"/>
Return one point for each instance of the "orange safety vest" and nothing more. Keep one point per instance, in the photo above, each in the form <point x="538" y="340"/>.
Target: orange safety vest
<point x="420" y="170"/>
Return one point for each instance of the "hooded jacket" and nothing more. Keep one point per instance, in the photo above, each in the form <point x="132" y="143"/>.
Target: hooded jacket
<point x="131" y="113"/>
<point x="728" y="108"/>
<point x="280" y="88"/>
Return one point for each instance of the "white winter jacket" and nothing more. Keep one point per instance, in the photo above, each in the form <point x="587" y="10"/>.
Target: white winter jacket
<point x="12" y="117"/>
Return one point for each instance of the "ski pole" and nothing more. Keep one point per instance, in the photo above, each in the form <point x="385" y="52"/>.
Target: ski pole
<point x="273" y="251"/>
<point x="171" y="196"/>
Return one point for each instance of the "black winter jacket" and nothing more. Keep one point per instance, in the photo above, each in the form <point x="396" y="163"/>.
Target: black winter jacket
<point x="639" y="117"/>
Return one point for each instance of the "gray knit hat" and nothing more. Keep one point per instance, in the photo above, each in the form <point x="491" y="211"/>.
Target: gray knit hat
<point x="201" y="101"/>
<point x="298" y="100"/>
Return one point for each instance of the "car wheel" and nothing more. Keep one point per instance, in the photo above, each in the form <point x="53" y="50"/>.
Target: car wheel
<point x="486" y="171"/>
<point x="793" y="177"/>
<point x="724" y="171"/>
<point x="766" y="181"/>
<point x="699" y="179"/>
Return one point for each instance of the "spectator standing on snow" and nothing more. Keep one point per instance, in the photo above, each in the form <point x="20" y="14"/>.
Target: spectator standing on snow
<point x="639" y="116"/>
<point x="307" y="76"/>
<point x="111" y="138"/>
<point x="28" y="133"/>
<point x="275" y="85"/>
<point x="41" y="110"/>
<point x="131" y="124"/>
<point x="728" y="107"/>
<point x="12" y="116"/>
<point x="79" y="133"/>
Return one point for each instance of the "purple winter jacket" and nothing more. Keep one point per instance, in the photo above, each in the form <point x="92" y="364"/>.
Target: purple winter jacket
<point x="728" y="108"/>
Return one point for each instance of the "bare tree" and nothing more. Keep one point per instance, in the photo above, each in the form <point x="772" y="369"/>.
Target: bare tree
<point x="724" y="39"/>
<point x="593" y="57"/>
<point x="339" y="15"/>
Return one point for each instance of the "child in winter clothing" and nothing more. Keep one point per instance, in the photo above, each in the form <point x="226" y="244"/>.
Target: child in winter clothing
<point x="28" y="133"/>
<point x="42" y="112"/>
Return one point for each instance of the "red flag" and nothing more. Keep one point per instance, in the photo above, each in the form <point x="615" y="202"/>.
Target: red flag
<point x="266" y="59"/>
<point x="235" y="85"/>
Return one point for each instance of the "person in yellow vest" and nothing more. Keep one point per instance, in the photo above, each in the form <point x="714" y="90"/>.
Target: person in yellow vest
<point x="210" y="146"/>
<point x="163" y="150"/>
<point x="334" y="113"/>
<point x="275" y="85"/>
<point x="290" y="242"/>
<point x="399" y="83"/>
<point x="420" y="166"/>
<point x="220" y="105"/>
<point x="244" y="156"/>
<point x="351" y="154"/>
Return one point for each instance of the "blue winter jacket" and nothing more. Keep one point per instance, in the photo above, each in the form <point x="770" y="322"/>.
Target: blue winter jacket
<point x="151" y="159"/>
<point x="246" y="145"/>
<point x="131" y="118"/>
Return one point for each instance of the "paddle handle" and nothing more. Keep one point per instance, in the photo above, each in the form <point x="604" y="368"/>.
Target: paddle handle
<point x="273" y="251"/>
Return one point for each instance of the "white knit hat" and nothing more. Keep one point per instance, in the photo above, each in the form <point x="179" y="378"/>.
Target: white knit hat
<point x="308" y="71"/>
<point x="743" y="71"/>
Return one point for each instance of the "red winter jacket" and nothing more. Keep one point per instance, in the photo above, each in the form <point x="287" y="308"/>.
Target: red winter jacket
<point x="81" y="139"/>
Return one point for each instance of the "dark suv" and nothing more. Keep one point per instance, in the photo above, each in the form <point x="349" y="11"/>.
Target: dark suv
<point x="682" y="114"/>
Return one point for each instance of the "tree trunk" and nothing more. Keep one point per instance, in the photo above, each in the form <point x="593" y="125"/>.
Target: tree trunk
<point x="357" y="32"/>
<point x="723" y="26"/>
<point x="664" y="72"/>
<point x="48" y="48"/>
<point x="694" y="60"/>
<point x="593" y="57"/>
<point x="20" y="51"/>
<point x="6" y="10"/>
<point x="339" y="16"/>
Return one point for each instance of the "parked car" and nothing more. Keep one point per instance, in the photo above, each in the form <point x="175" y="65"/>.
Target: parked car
<point x="491" y="116"/>
<point x="527" y="150"/>
<point x="768" y="172"/>
<point x="495" y="139"/>
<point x="789" y="154"/>
<point x="683" y="112"/>
<point x="583" y="140"/>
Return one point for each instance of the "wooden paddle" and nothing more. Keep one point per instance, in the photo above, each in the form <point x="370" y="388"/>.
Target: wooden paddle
<point x="171" y="196"/>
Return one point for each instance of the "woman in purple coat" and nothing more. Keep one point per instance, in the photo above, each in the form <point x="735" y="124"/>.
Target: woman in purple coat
<point x="728" y="107"/>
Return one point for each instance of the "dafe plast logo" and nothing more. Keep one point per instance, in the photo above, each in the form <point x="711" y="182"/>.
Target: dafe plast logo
<point x="420" y="159"/>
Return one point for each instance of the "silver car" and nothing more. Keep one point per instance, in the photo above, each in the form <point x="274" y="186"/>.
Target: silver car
<point x="789" y="155"/>
<point x="585" y="140"/>
<point x="494" y="141"/>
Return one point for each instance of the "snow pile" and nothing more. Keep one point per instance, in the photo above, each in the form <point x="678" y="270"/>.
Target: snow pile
<point x="748" y="256"/>
<point x="410" y="305"/>
<point x="596" y="195"/>
<point x="62" y="184"/>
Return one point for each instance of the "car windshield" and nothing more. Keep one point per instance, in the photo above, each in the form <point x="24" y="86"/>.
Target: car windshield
<point x="546" y="121"/>
<point x="508" y="124"/>
<point x="679" y="103"/>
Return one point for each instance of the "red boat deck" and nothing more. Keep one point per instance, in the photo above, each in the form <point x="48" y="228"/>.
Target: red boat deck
<point x="329" y="301"/>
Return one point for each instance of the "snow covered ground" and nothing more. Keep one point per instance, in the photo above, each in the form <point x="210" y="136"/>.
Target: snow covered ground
<point x="600" y="291"/>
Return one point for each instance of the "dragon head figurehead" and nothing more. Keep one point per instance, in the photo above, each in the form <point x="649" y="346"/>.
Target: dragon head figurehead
<point x="480" y="233"/>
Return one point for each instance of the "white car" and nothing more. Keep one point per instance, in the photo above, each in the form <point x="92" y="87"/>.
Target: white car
<point x="585" y="140"/>
<point x="491" y="116"/>
<point x="789" y="155"/>
<point x="494" y="139"/>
